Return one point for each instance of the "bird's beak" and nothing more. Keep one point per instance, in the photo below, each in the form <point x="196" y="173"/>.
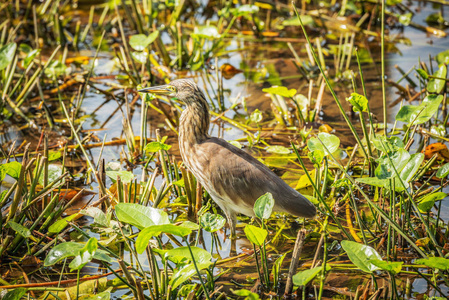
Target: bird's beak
<point x="158" y="90"/>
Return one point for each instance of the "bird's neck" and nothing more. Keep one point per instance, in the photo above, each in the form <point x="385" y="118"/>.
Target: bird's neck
<point x="194" y="123"/>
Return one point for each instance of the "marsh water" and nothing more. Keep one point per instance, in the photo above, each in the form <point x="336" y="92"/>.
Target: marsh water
<point x="261" y="62"/>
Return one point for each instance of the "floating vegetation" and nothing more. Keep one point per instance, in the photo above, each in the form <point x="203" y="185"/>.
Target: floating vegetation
<point x="97" y="204"/>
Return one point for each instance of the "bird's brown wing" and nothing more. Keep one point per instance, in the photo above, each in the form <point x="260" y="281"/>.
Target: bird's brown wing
<point x="238" y="176"/>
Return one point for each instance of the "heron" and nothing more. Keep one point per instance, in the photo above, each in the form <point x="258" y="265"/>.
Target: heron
<point x="233" y="178"/>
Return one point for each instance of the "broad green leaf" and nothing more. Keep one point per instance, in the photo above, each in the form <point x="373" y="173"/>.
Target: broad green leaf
<point x="178" y="254"/>
<point x="12" y="169"/>
<point x="443" y="171"/>
<point x="245" y="10"/>
<point x="30" y="56"/>
<point x="264" y="206"/>
<point x="106" y="295"/>
<point x="140" y="41"/>
<point x="387" y="145"/>
<point x="359" y="102"/>
<point x="145" y="235"/>
<point x="421" y="113"/>
<point x="212" y="222"/>
<point x="331" y="142"/>
<point x="278" y="150"/>
<point x="15" y="294"/>
<point x="206" y="32"/>
<point x="125" y="176"/>
<point x="140" y="216"/>
<point x="438" y="130"/>
<point x="411" y="168"/>
<point x="316" y="157"/>
<point x="361" y="255"/>
<point x="434" y="262"/>
<point x="383" y="183"/>
<point x="85" y="255"/>
<point x="306" y="20"/>
<point x="436" y="85"/>
<point x="55" y="69"/>
<point x="7" y="54"/>
<point x="428" y="201"/>
<point x="387" y="165"/>
<point x="54" y="171"/>
<point x="59" y="225"/>
<point x="20" y="229"/>
<point x="99" y="216"/>
<point x="390" y="267"/>
<point x="71" y="249"/>
<point x="281" y="91"/>
<point x="53" y="155"/>
<point x="422" y="73"/>
<point x="189" y="225"/>
<point x="246" y="293"/>
<point x="186" y="273"/>
<point x="443" y="57"/>
<point x="277" y="269"/>
<point x="140" y="57"/>
<point x="304" y="277"/>
<point x="255" y="234"/>
<point x="405" y="19"/>
<point x="156" y="146"/>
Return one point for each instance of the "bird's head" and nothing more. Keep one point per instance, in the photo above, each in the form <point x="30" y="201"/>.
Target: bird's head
<point x="184" y="90"/>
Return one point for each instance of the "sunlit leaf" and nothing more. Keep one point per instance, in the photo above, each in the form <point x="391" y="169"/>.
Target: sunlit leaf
<point x="59" y="225"/>
<point x="212" y="222"/>
<point x="316" y="157"/>
<point x="361" y="255"/>
<point x="245" y="10"/>
<point x="387" y="145"/>
<point x="140" y="216"/>
<point x="443" y="171"/>
<point x="428" y="201"/>
<point x="12" y="169"/>
<point x="331" y="143"/>
<point x="206" y="32"/>
<point x="54" y="155"/>
<point x="422" y="73"/>
<point x="140" y="41"/>
<point x="281" y="91"/>
<point x="125" y="176"/>
<point x="442" y="57"/>
<point x="411" y="167"/>
<point x="177" y="254"/>
<point x="20" y="229"/>
<point x="146" y="234"/>
<point x="71" y="249"/>
<point x="421" y="113"/>
<point x="264" y="206"/>
<point x="99" y="216"/>
<point x="302" y="278"/>
<point x="389" y="266"/>
<point x="278" y="150"/>
<point x="388" y="166"/>
<point x="256" y="116"/>
<point x="306" y="20"/>
<point x="434" y="262"/>
<point x="7" y="54"/>
<point x="358" y="102"/>
<point x="436" y="85"/>
<point x="156" y="146"/>
<point x="85" y="255"/>
<point x="15" y="294"/>
<point x="106" y="295"/>
<point x="255" y="234"/>
<point x="186" y="273"/>
<point x="246" y="293"/>
<point x="54" y="171"/>
<point x="405" y="19"/>
<point x="140" y="57"/>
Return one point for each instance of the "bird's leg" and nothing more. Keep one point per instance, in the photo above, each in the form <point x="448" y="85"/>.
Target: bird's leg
<point x="232" y="221"/>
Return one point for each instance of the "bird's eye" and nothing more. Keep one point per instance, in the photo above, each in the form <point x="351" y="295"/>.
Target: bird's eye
<point x="172" y="88"/>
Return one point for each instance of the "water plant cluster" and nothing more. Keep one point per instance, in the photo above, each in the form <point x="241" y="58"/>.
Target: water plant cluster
<point x="91" y="216"/>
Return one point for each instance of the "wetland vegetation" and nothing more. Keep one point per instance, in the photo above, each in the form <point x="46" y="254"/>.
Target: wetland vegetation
<point x="345" y="100"/>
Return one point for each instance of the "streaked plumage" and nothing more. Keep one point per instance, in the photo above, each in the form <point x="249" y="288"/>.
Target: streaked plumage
<point x="232" y="177"/>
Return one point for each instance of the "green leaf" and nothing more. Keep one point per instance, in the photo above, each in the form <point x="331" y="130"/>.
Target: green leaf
<point x="140" y="57"/>
<point x="443" y="57"/>
<point x="70" y="249"/>
<point x="15" y="294"/>
<point x="53" y="155"/>
<point x="428" y="201"/>
<point x="12" y="169"/>
<point x="264" y="206"/>
<point x="59" y="225"/>
<point x="245" y="10"/>
<point x="54" y="171"/>
<point x="411" y="167"/>
<point x="390" y="267"/>
<point x="247" y="294"/>
<point x="316" y="157"/>
<point x="443" y="171"/>
<point x="7" y="54"/>
<point x="180" y="254"/>
<point x="85" y="255"/>
<point x="304" y="277"/>
<point x="20" y="229"/>
<point x="422" y="73"/>
<point x="255" y="234"/>
<point x="359" y="102"/>
<point x="30" y="56"/>
<point x="281" y="91"/>
<point x="55" y="69"/>
<point x="331" y="142"/>
<point x="434" y="262"/>
<point x="125" y="176"/>
<point x="388" y="145"/>
<point x="145" y="235"/>
<point x="186" y="273"/>
<point x="106" y="295"/>
<point x="140" y="41"/>
<point x="306" y="20"/>
<point x="140" y="216"/>
<point x="387" y="165"/>
<point x="436" y="85"/>
<point x="421" y="113"/>
<point x="361" y="255"/>
<point x="99" y="216"/>
<point x="212" y="222"/>
<point x="405" y="19"/>
<point x="206" y="32"/>
<point x="278" y="150"/>
<point x="256" y="116"/>
<point x="156" y="146"/>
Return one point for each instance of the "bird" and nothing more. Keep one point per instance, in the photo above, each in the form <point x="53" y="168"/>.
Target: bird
<point x="233" y="178"/>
